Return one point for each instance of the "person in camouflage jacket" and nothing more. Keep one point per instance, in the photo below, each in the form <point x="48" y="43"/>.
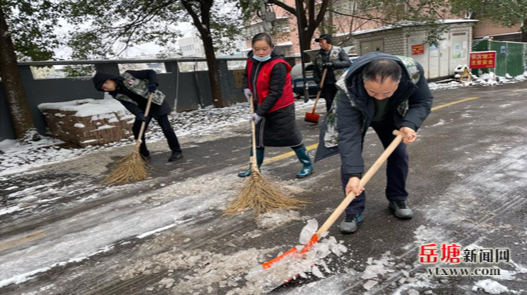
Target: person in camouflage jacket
<point x="335" y="60"/>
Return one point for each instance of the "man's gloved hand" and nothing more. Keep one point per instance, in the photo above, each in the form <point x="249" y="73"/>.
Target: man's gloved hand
<point x="255" y="118"/>
<point x="327" y="65"/>
<point x="152" y="88"/>
<point x="142" y="117"/>
<point x="248" y="94"/>
<point x="319" y="88"/>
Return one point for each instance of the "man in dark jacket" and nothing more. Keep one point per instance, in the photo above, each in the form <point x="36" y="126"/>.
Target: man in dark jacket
<point x="132" y="90"/>
<point x="387" y="93"/>
<point x="334" y="59"/>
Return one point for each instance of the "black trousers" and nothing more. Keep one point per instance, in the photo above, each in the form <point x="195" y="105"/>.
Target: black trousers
<point x="328" y="92"/>
<point x="396" y="170"/>
<point x="169" y="133"/>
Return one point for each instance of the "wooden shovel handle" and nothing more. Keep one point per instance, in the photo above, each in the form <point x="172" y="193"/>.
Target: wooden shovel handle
<point x="387" y="152"/>
<point x="320" y="91"/>
<point x="142" y="130"/>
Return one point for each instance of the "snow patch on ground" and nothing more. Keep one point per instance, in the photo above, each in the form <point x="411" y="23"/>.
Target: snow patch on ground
<point x="241" y="271"/>
<point x="277" y="218"/>
<point x="490" y="286"/>
<point x="20" y="278"/>
<point x="484" y="80"/>
<point x="441" y="122"/>
<point x="419" y="281"/>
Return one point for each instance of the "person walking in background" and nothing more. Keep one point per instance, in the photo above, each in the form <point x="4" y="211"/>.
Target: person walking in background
<point x="335" y="60"/>
<point x="387" y="93"/>
<point x="267" y="83"/>
<point x="132" y="90"/>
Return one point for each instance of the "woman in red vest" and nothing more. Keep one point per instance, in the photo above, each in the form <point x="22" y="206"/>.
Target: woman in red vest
<point x="267" y="81"/>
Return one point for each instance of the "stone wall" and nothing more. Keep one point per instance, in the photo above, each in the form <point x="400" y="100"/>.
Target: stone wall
<point x="91" y="129"/>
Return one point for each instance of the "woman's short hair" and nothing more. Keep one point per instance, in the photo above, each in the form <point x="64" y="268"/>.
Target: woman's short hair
<point x="263" y="36"/>
<point x="380" y="69"/>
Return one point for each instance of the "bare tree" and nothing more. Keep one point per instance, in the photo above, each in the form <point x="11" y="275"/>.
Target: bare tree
<point x="127" y="23"/>
<point x="13" y="90"/>
<point x="26" y="33"/>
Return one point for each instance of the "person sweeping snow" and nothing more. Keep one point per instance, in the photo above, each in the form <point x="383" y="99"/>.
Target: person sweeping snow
<point x="385" y="92"/>
<point x="132" y="90"/>
<point x="267" y="83"/>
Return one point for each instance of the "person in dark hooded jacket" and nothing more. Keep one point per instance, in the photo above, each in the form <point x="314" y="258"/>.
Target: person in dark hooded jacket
<point x="267" y="83"/>
<point x="385" y="92"/>
<point x="132" y="89"/>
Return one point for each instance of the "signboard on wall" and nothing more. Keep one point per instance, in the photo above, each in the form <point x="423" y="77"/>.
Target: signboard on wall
<point x="418" y="49"/>
<point x="482" y="59"/>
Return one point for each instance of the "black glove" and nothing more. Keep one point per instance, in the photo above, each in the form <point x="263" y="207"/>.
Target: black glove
<point x="142" y="117"/>
<point x="327" y="65"/>
<point x="152" y="88"/>
<point x="319" y="88"/>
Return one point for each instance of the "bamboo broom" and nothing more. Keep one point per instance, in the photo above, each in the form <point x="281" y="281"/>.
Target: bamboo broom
<point x="133" y="167"/>
<point x="259" y="194"/>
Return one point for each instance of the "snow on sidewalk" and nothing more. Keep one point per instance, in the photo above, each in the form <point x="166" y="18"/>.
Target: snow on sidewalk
<point x="18" y="158"/>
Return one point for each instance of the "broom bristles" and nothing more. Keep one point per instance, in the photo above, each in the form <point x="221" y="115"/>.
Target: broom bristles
<point x="129" y="169"/>
<point x="258" y="194"/>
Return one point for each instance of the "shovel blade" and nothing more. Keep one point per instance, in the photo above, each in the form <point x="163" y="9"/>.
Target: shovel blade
<point x="312" y="117"/>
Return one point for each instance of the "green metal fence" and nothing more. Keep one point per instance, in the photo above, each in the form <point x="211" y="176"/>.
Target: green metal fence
<point x="511" y="57"/>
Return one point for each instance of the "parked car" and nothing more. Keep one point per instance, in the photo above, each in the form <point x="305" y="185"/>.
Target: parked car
<point x="298" y="81"/>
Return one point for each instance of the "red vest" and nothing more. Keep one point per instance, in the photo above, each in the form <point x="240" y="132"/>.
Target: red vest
<point x="262" y="84"/>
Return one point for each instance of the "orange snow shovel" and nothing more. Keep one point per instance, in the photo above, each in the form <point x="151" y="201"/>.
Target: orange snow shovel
<point x="329" y="222"/>
<point x="312" y="117"/>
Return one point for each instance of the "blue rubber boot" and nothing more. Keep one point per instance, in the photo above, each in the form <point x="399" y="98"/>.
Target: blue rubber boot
<point x="304" y="158"/>
<point x="259" y="160"/>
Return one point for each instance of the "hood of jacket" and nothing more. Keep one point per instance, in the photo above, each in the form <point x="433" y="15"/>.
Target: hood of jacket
<point x="99" y="78"/>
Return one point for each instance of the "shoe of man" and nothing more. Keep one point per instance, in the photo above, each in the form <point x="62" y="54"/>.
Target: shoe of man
<point x="401" y="210"/>
<point x="175" y="156"/>
<point x="350" y="224"/>
<point x="145" y="154"/>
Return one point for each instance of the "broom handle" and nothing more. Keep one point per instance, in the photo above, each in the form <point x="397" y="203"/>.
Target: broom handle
<point x="253" y="133"/>
<point x="142" y="130"/>
<point x="329" y="222"/>
<point x="320" y="91"/>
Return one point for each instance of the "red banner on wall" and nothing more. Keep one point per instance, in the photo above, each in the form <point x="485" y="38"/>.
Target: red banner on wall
<point x="418" y="49"/>
<point x="483" y="59"/>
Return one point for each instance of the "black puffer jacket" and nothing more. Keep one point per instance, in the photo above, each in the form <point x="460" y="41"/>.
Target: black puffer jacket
<point x="156" y="111"/>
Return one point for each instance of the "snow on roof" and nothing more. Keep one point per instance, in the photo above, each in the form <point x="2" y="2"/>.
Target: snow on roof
<point x="86" y="107"/>
<point x="341" y="34"/>
<point x="413" y="23"/>
<point x="288" y="43"/>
